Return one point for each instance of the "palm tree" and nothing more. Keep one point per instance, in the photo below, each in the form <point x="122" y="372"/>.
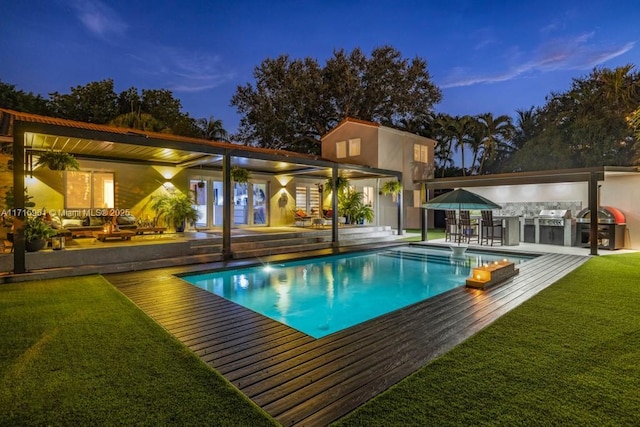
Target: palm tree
<point x="476" y="138"/>
<point x="440" y="132"/>
<point x="497" y="132"/>
<point x="526" y="126"/>
<point x="617" y="85"/>
<point x="460" y="127"/>
<point x="212" y="129"/>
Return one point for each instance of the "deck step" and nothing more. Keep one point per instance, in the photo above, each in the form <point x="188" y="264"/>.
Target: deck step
<point x="268" y="251"/>
<point x="273" y="242"/>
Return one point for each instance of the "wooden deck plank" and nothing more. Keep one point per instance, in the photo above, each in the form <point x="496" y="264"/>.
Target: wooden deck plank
<point x="301" y="380"/>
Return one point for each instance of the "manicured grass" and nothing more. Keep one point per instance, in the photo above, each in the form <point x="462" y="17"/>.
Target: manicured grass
<point x="76" y="352"/>
<point x="432" y="234"/>
<point x="569" y="356"/>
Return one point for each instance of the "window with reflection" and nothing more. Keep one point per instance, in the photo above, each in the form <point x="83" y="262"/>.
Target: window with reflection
<point x="89" y="190"/>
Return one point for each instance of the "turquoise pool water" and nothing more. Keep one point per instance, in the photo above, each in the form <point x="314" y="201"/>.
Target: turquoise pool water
<point x="324" y="295"/>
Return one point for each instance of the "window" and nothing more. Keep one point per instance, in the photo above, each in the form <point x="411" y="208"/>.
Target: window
<point x="420" y="153"/>
<point x="341" y="149"/>
<point x="308" y="199"/>
<point x="92" y="190"/>
<point x="354" y="147"/>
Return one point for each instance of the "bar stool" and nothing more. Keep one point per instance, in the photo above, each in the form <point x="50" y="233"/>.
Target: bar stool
<point x="451" y="232"/>
<point x="491" y="229"/>
<point x="468" y="227"/>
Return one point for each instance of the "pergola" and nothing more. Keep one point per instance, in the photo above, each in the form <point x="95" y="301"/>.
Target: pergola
<point x="31" y="133"/>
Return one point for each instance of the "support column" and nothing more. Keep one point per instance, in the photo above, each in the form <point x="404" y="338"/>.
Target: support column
<point x="19" y="262"/>
<point x="593" y="209"/>
<point x="424" y="216"/>
<point x="227" y="217"/>
<point x="334" y="207"/>
<point x="400" y="213"/>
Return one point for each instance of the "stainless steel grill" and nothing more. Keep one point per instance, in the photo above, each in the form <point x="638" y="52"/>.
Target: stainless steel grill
<point x="553" y="218"/>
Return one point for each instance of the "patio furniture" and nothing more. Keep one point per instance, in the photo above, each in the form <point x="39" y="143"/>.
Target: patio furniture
<point x="468" y="227"/>
<point x="86" y="225"/>
<point x="301" y="217"/>
<point x="150" y="230"/>
<point x="104" y="235"/>
<point x="451" y="231"/>
<point x="491" y="229"/>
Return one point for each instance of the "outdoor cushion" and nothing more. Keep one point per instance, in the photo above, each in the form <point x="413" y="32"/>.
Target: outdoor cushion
<point x="126" y="220"/>
<point x="95" y="221"/>
<point x="72" y="222"/>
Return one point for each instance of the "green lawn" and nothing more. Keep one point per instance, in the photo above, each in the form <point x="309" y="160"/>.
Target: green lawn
<point x="569" y="356"/>
<point x="76" y="352"/>
<point x="432" y="234"/>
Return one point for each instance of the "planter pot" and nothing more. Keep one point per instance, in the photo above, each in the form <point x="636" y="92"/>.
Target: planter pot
<point x="34" y="245"/>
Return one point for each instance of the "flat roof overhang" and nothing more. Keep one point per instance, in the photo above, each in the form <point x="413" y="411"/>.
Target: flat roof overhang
<point x="170" y="150"/>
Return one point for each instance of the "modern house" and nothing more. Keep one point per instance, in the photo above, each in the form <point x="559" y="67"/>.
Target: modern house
<point x="369" y="144"/>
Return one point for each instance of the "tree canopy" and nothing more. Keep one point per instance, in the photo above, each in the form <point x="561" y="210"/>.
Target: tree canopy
<point x="18" y="100"/>
<point x="295" y="101"/>
<point x="583" y="127"/>
<point x="97" y="102"/>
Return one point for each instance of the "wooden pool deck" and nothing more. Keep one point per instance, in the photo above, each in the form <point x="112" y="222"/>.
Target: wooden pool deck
<point x="300" y="380"/>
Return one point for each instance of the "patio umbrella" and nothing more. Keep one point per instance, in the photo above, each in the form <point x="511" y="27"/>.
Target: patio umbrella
<point x="460" y="199"/>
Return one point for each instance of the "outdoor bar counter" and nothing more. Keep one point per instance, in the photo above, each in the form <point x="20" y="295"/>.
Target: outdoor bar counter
<point x="510" y="230"/>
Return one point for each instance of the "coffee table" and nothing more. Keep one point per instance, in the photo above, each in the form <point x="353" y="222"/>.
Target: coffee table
<point x="104" y="235"/>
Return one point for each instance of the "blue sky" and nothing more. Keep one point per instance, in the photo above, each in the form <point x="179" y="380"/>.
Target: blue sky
<point x="486" y="56"/>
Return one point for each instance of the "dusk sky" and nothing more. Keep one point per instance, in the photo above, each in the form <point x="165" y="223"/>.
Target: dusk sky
<point x="486" y="56"/>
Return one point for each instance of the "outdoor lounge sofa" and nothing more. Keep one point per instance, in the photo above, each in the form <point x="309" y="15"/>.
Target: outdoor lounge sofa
<point x="85" y="226"/>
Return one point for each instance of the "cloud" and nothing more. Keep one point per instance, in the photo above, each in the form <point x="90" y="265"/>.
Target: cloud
<point x="558" y="54"/>
<point x="181" y="70"/>
<point x="98" y="18"/>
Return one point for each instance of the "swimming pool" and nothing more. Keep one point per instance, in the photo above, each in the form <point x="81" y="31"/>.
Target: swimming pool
<point x="324" y="295"/>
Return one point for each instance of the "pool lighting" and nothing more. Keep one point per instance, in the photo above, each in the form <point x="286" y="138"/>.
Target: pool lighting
<point x="267" y="268"/>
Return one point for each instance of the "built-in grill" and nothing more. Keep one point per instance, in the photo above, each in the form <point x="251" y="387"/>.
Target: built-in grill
<point x="555" y="227"/>
<point x="611" y="227"/>
<point x="553" y="218"/>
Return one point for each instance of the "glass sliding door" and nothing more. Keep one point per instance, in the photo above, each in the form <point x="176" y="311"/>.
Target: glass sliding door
<point x="250" y="203"/>
<point x="259" y="203"/>
<point x="218" y="203"/>
<point x="199" y="191"/>
<point x="240" y="204"/>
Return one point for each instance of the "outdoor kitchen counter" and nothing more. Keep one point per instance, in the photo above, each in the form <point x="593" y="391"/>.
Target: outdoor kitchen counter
<point x="510" y="230"/>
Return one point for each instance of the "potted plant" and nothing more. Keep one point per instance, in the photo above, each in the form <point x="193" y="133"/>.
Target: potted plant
<point x="342" y="182"/>
<point x="9" y="199"/>
<point x="391" y="187"/>
<point x="36" y="233"/>
<point x="351" y="206"/>
<point x="240" y="175"/>
<point x="57" y="161"/>
<point x="176" y="208"/>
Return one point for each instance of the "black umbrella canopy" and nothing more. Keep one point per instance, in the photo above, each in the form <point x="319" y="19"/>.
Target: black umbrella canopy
<point x="460" y="199"/>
